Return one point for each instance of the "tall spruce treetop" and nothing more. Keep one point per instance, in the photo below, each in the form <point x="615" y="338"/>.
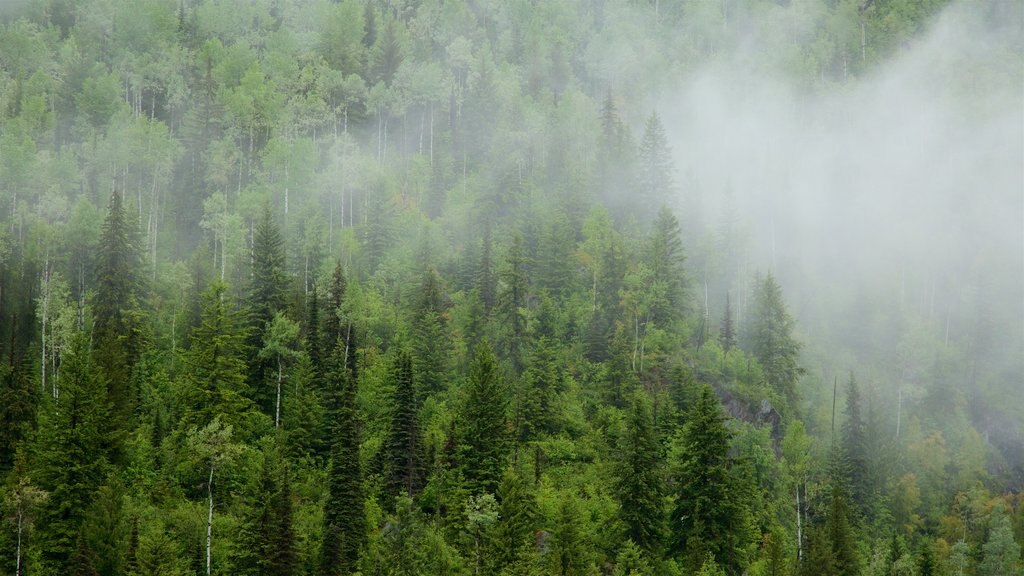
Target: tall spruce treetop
<point x="216" y="362"/>
<point x="402" y="444"/>
<point x="483" y="437"/>
<point x="656" y="181"/>
<point x="666" y="257"/>
<point x="772" y="341"/>
<point x="344" y="518"/>
<point x="855" y="444"/>
<point x="117" y="332"/>
<point x="709" y="516"/>
<point x="269" y="282"/>
<point x="641" y="486"/>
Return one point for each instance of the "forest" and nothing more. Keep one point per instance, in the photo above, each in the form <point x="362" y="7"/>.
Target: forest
<point x="511" y="287"/>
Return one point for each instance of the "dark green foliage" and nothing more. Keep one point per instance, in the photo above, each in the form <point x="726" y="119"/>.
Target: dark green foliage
<point x="482" y="427"/>
<point x="819" y="559"/>
<point x="640" y="486"/>
<point x="402" y="447"/>
<point x="118" y="334"/>
<point x="431" y="337"/>
<point x="771" y="339"/>
<point x="570" y="556"/>
<point x="17" y="411"/>
<point x="839" y="528"/>
<point x="727" y="331"/>
<point x="666" y="257"/>
<point x="267" y="539"/>
<point x="215" y="382"/>
<point x="344" y="518"/>
<point x="854" y="443"/>
<point x="83" y="563"/>
<point x="537" y="411"/>
<point x="512" y="292"/>
<point x="927" y="565"/>
<point x="656" y="180"/>
<point x="71" y="459"/>
<point x="512" y="532"/>
<point x="709" y="516"/>
<point x="269" y="282"/>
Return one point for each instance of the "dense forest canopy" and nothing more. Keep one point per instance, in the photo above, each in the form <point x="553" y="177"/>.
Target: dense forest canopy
<point x="574" y="287"/>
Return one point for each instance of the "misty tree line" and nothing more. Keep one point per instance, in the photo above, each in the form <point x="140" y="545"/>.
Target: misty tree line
<point x="405" y="288"/>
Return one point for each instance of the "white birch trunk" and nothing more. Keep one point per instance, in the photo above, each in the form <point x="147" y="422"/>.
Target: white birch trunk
<point x="209" y="522"/>
<point x="277" y="412"/>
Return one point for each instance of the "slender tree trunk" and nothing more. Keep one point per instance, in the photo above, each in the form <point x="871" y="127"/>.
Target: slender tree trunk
<point x="799" y="527"/>
<point x="277" y="412"/>
<point x="209" y="522"/>
<point x="17" y="563"/>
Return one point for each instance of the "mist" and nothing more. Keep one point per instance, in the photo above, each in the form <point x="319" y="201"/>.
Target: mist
<point x="898" y="195"/>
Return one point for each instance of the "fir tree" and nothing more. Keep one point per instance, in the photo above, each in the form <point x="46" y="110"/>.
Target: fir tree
<point x="727" y="332"/>
<point x="344" y="519"/>
<point x="839" y="527"/>
<point x="537" y="401"/>
<point x="216" y="363"/>
<point x="1000" y="553"/>
<point x="656" y="180"/>
<point x="854" y="443"/>
<point x="117" y="334"/>
<point x="266" y="299"/>
<point x="771" y="339"/>
<point x="512" y="532"/>
<point x="482" y="437"/>
<point x="640" y="486"/>
<point x="666" y="258"/>
<point x="402" y="443"/>
<point x="708" y="515"/>
<point x="512" y="303"/>
<point x="430" y="343"/>
<point x="72" y="461"/>
<point x="17" y="410"/>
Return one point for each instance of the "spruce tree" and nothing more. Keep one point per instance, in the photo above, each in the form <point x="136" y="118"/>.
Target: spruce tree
<point x="537" y="400"/>
<point x="266" y="299"/>
<point x="215" y="379"/>
<point x="17" y="410"/>
<point x="772" y="341"/>
<point x="71" y="456"/>
<point x="640" y="486"/>
<point x="402" y="445"/>
<point x="709" y="516"/>
<point x="511" y="304"/>
<point x="512" y="532"/>
<point x="839" y="526"/>
<point x="344" y="518"/>
<point x="482" y="437"/>
<point x="656" y="180"/>
<point x="665" y="256"/>
<point x="727" y="332"/>
<point x="118" y="335"/>
<point x="854" y="442"/>
<point x="430" y="344"/>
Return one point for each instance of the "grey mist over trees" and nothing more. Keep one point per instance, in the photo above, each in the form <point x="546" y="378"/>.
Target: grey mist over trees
<point x="888" y="207"/>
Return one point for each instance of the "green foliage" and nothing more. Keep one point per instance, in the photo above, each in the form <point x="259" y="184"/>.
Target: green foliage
<point x="771" y="339"/>
<point x="483" y="431"/>
<point x="640" y="487"/>
<point x="402" y="446"/>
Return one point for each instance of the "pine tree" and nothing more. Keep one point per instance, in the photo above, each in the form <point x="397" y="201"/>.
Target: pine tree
<point x="83" y="563"/>
<point x="772" y="342"/>
<point x="482" y="437"/>
<point x="72" y="460"/>
<point x="570" y="554"/>
<point x="839" y="528"/>
<point x="430" y="343"/>
<point x="640" y="486"/>
<point x="344" y="518"/>
<point x="313" y="336"/>
<point x="536" y="405"/>
<point x="267" y="535"/>
<point x="17" y="410"/>
<point x="216" y="384"/>
<point x="402" y="443"/>
<point x="118" y="336"/>
<point x="631" y="561"/>
<point x="708" y="515"/>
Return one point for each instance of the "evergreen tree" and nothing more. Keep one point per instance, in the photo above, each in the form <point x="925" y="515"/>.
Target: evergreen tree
<point x="83" y="563"/>
<point x="512" y="532"/>
<point x="839" y="528"/>
<point x="709" y="516"/>
<point x="215" y="380"/>
<point x="926" y="563"/>
<point x="344" y="518"/>
<point x="536" y="405"/>
<point x="570" y="555"/>
<point x="266" y="299"/>
<point x="313" y="336"/>
<point x="818" y="559"/>
<point x="17" y="410"/>
<point x="402" y="445"/>
<point x="482" y="437"/>
<point x="1000" y="553"/>
<point x="727" y="332"/>
<point x="771" y="339"/>
<point x="630" y="561"/>
<point x="118" y="336"/>
<point x="854" y="443"/>
<point x="511" y="304"/>
<point x="72" y="460"/>
<point x="656" y="180"/>
<point x="665" y="259"/>
<point x="431" y="336"/>
<point x="485" y="281"/>
<point x="640" y="486"/>
<point x="267" y="536"/>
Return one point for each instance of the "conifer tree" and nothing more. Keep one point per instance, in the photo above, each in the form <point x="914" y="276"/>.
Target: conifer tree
<point x="402" y="444"/>
<point x="511" y="304"/>
<point x="216" y="384"/>
<point x="512" y="532"/>
<point x="72" y="460"/>
<point x="118" y="336"/>
<point x="727" y="332"/>
<point x="839" y="527"/>
<point x="656" y="180"/>
<point x="854" y="443"/>
<point x="266" y="299"/>
<point x="640" y="487"/>
<point x="313" y="335"/>
<point x="485" y="281"/>
<point x="1000" y="553"/>
<point x="430" y="343"/>
<point x="666" y="258"/>
<point x="771" y="339"/>
<point x="344" y="518"/>
<point x="482" y="437"/>
<point x="17" y="410"/>
<point x="541" y="384"/>
<point x="708" y="515"/>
